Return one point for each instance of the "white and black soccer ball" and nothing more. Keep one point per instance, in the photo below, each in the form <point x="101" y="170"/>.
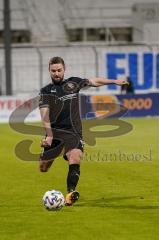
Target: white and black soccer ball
<point x="53" y="200"/>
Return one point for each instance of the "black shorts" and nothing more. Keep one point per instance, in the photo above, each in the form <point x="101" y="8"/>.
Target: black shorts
<point x="63" y="142"/>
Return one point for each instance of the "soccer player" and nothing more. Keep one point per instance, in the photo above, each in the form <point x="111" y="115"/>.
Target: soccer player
<point x="59" y="109"/>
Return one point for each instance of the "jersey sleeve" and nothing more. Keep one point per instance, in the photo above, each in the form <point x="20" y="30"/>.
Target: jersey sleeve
<point x="82" y="82"/>
<point x="44" y="99"/>
<point x="85" y="83"/>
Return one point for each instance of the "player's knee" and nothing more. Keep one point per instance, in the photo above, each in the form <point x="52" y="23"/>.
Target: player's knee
<point x="43" y="170"/>
<point x="75" y="156"/>
<point x="43" y="166"/>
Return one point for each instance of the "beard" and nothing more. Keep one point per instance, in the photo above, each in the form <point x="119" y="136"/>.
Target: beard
<point x="57" y="80"/>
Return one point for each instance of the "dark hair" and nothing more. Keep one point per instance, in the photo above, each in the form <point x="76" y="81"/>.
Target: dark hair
<point x="57" y="60"/>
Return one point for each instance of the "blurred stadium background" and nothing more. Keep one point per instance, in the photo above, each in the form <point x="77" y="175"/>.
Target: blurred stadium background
<point x="110" y="38"/>
<point x="96" y="38"/>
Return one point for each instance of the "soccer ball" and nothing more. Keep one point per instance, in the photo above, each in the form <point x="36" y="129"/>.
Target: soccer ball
<point x="53" y="200"/>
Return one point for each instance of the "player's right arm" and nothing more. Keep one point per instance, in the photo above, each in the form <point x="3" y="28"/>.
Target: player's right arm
<point x="44" y="112"/>
<point x="44" y="106"/>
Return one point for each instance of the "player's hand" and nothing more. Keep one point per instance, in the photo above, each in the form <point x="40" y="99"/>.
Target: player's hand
<point x="121" y="82"/>
<point x="46" y="142"/>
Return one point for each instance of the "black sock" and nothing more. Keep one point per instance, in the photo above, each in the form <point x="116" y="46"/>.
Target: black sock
<point x="73" y="177"/>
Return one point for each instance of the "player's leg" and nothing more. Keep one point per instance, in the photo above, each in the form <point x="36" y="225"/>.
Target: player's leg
<point x="49" y="154"/>
<point x="44" y="165"/>
<point x="74" y="147"/>
<point x="74" y="157"/>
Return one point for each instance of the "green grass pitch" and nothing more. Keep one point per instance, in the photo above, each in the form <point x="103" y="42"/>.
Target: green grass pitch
<point x="119" y="195"/>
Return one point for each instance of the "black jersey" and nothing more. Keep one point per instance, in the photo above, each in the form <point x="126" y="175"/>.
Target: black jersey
<point x="63" y="100"/>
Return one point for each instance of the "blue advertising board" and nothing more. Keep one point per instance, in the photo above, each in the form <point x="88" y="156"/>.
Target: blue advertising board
<point x="140" y="105"/>
<point x="136" y="105"/>
<point x="141" y="67"/>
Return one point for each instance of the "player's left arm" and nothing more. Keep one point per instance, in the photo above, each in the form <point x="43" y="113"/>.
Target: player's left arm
<point x="100" y="81"/>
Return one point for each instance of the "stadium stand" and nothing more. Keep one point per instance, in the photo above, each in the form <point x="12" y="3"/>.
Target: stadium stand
<point x="53" y="23"/>
<point x="30" y="66"/>
<point x="39" y="17"/>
